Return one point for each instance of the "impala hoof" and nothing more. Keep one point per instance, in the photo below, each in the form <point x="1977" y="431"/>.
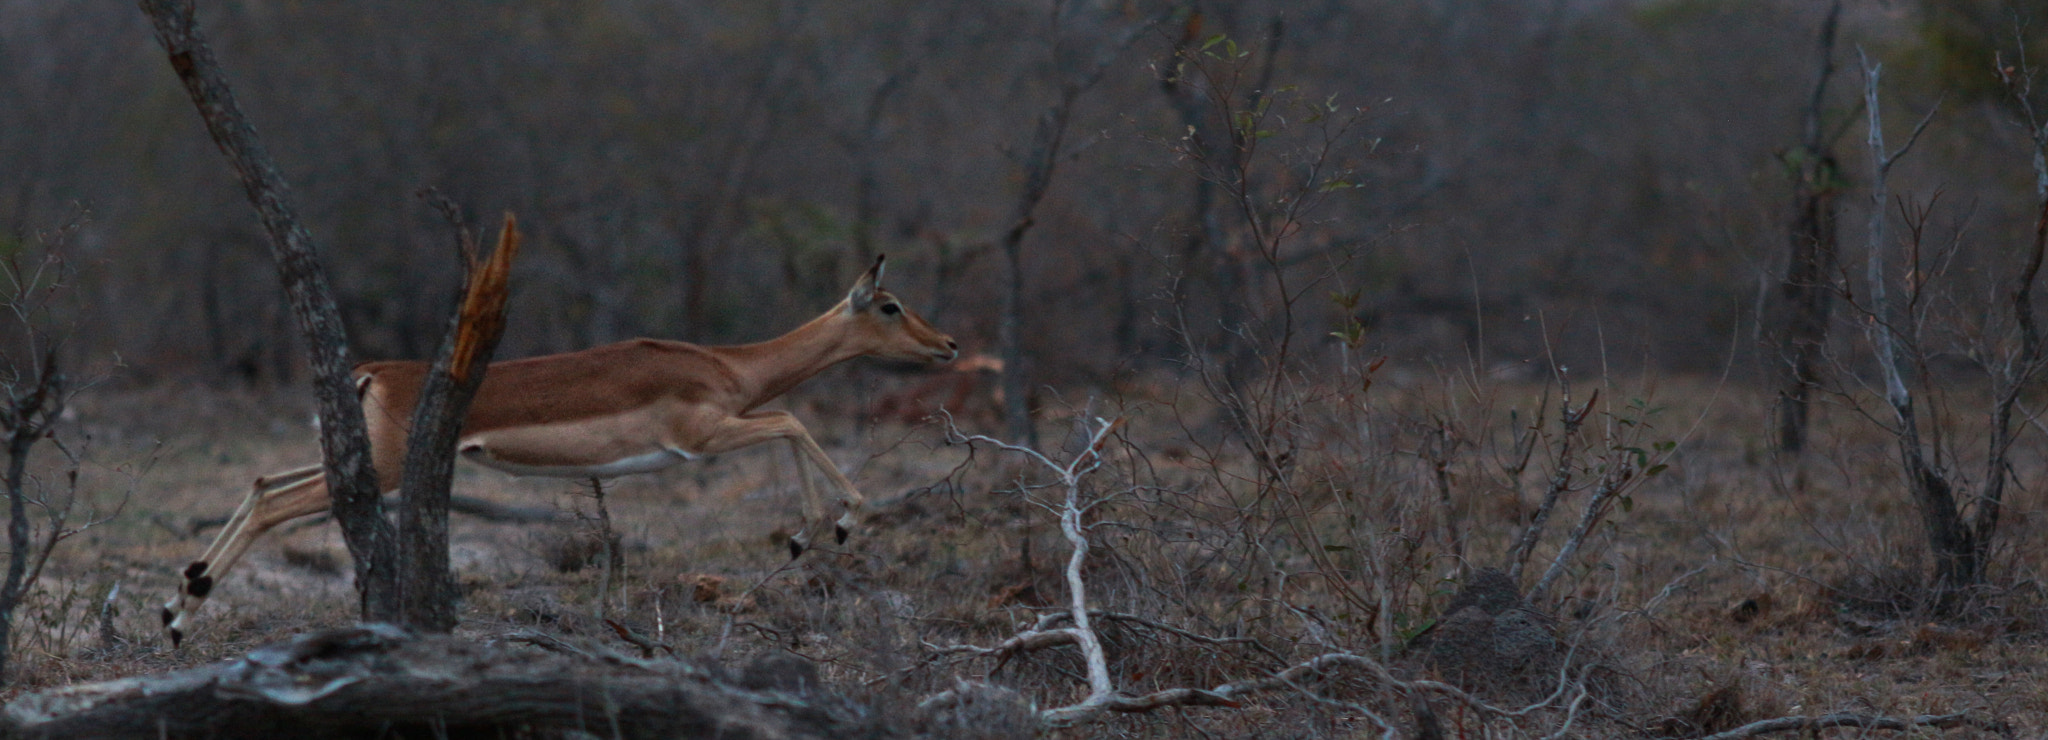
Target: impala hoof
<point x="177" y="638"/>
<point x="796" y="548"/>
<point x="840" y="532"/>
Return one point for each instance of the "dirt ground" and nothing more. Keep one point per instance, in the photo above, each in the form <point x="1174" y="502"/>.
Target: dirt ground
<point x="1732" y="587"/>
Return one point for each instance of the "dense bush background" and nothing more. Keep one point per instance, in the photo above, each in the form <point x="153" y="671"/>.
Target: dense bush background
<point x="717" y="170"/>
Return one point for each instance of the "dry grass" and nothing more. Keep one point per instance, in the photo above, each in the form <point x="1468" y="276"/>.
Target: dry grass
<point x="1735" y="587"/>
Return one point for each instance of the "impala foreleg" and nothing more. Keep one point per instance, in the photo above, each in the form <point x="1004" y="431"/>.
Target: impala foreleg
<point x="848" y="495"/>
<point x="755" y="428"/>
<point x="273" y="500"/>
<point x="814" y="506"/>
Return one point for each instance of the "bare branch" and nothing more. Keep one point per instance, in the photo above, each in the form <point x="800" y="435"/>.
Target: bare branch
<point x="1814" y="724"/>
<point x="1560" y="478"/>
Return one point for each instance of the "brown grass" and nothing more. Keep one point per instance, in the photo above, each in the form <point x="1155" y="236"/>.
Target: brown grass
<point x="1735" y="587"/>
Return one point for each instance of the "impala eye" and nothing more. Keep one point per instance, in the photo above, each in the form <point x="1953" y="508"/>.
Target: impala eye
<point x="891" y="309"/>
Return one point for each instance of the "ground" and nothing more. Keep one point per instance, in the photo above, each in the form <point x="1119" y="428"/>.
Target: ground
<point x="1732" y="587"/>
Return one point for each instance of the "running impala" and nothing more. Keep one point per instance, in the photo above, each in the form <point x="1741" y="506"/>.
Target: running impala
<point x="632" y="407"/>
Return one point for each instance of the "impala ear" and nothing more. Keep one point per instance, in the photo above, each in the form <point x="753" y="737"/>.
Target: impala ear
<point x="863" y="293"/>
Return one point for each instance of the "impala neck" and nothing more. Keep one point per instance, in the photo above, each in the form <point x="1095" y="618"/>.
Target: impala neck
<point x="769" y="369"/>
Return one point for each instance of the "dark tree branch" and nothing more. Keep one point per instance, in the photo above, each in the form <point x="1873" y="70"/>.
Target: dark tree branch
<point x="1807" y="292"/>
<point x="343" y="441"/>
<point x="426" y="590"/>
<point x="27" y="416"/>
<point x="1956" y="547"/>
<point x="1040" y="164"/>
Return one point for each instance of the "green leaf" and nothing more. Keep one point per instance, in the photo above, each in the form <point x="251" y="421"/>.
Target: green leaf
<point x="1416" y="629"/>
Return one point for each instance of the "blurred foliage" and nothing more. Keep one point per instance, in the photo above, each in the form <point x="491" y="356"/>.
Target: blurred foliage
<point x="1613" y="166"/>
<point x="1955" y="45"/>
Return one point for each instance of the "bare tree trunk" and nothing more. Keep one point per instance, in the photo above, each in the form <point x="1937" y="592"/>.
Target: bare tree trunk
<point x="1955" y="547"/>
<point x="27" y="416"/>
<point x="345" y="444"/>
<point x="865" y="149"/>
<point x="1808" y="289"/>
<point x="2010" y="380"/>
<point x="1039" y="164"/>
<point x="2012" y="377"/>
<point x="426" y="591"/>
<point x="1203" y="231"/>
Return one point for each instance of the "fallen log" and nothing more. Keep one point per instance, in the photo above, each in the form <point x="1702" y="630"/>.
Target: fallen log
<point x="381" y="681"/>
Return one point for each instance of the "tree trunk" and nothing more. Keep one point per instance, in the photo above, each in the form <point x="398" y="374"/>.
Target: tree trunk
<point x="1201" y="250"/>
<point x="1808" y="289"/>
<point x="1040" y="163"/>
<point x="1957" y="565"/>
<point x="1010" y="334"/>
<point x="29" y="413"/>
<point x="1039" y="166"/>
<point x="426" y="590"/>
<point x="345" y="445"/>
<point x="1809" y="295"/>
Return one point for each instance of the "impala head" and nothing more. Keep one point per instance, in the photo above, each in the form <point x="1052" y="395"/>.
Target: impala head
<point x="887" y="327"/>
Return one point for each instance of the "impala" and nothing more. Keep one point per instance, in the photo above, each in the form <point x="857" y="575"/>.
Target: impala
<point x="632" y="407"/>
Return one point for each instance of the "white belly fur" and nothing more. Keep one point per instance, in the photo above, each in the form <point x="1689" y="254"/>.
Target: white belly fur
<point x="636" y="464"/>
<point x="601" y="447"/>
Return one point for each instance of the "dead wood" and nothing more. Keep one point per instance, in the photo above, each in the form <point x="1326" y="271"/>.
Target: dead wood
<point x="1814" y="725"/>
<point x="382" y="681"/>
<point x="426" y="591"/>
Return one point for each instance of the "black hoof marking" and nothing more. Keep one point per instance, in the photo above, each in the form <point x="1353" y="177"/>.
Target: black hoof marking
<point x="177" y="638"/>
<point x="796" y="549"/>
<point x="167" y="616"/>
<point x="841" y="533"/>
<point x="200" y="587"/>
<point x="196" y="569"/>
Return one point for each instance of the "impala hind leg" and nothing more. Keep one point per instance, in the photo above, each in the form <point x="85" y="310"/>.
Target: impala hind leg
<point x="272" y="500"/>
<point x="262" y="487"/>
